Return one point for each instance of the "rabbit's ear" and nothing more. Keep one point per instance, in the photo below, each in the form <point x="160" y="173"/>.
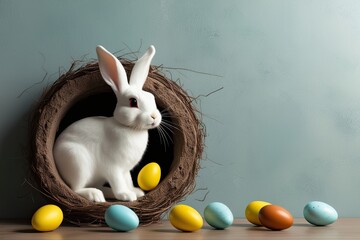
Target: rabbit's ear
<point x="141" y="68"/>
<point x="111" y="70"/>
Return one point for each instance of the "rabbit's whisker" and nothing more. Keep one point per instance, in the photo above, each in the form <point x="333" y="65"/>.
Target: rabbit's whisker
<point x="163" y="137"/>
<point x="167" y="134"/>
<point x="170" y="125"/>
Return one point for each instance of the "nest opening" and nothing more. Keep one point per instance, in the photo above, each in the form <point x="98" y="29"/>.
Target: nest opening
<point x="82" y="93"/>
<point x="159" y="150"/>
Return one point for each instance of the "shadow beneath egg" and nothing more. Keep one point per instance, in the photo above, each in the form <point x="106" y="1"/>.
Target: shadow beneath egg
<point x="168" y="231"/>
<point x="26" y="231"/>
<point x="215" y="229"/>
<point x="307" y="225"/>
<point x="106" y="231"/>
<point x="260" y="229"/>
<point x="244" y="225"/>
<point x="209" y="228"/>
<point x="302" y="225"/>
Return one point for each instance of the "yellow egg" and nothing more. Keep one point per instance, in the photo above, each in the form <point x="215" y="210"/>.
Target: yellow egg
<point x="252" y="211"/>
<point x="185" y="218"/>
<point x="47" y="218"/>
<point x="149" y="176"/>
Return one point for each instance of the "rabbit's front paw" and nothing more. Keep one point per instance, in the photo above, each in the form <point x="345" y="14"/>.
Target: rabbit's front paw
<point x="126" y="196"/>
<point x="138" y="192"/>
<point x="93" y="194"/>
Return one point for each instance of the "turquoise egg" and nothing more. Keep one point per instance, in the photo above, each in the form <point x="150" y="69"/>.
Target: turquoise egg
<point x="218" y="215"/>
<point x="121" y="218"/>
<point x="320" y="213"/>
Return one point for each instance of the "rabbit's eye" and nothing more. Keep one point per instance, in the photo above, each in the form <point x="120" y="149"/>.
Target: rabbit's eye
<point x="133" y="102"/>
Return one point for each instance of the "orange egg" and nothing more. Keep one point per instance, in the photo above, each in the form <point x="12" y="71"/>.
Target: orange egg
<point x="275" y="217"/>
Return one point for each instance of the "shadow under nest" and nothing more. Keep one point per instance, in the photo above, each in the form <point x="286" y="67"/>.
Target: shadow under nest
<point x="82" y="93"/>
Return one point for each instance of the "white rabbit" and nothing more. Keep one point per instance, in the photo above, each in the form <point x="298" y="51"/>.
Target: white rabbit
<point x="98" y="150"/>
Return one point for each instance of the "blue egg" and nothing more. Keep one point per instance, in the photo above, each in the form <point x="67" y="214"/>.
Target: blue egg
<point x="218" y="215"/>
<point x="121" y="218"/>
<point x="320" y="213"/>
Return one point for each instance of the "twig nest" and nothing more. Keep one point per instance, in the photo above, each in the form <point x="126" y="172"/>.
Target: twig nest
<point x="81" y="93"/>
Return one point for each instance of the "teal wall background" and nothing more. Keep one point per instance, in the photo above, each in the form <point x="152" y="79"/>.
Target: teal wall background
<point x="285" y="128"/>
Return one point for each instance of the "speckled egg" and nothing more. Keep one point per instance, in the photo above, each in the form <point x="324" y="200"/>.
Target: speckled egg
<point x="185" y="218"/>
<point x="252" y="211"/>
<point x="218" y="215"/>
<point x="121" y="218"/>
<point x="319" y="213"/>
<point x="47" y="218"/>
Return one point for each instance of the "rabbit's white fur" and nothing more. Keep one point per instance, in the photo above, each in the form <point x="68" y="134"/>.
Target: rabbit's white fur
<point x="98" y="150"/>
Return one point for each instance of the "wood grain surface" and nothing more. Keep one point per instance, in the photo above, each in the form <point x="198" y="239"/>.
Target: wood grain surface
<point x="346" y="228"/>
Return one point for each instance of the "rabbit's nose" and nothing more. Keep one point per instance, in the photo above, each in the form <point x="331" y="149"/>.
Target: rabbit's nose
<point x="153" y="115"/>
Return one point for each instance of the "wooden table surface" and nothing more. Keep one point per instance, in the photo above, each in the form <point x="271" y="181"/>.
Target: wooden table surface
<point x="346" y="228"/>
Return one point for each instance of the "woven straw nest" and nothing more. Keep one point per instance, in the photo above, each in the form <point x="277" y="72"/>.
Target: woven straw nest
<point x="80" y="93"/>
